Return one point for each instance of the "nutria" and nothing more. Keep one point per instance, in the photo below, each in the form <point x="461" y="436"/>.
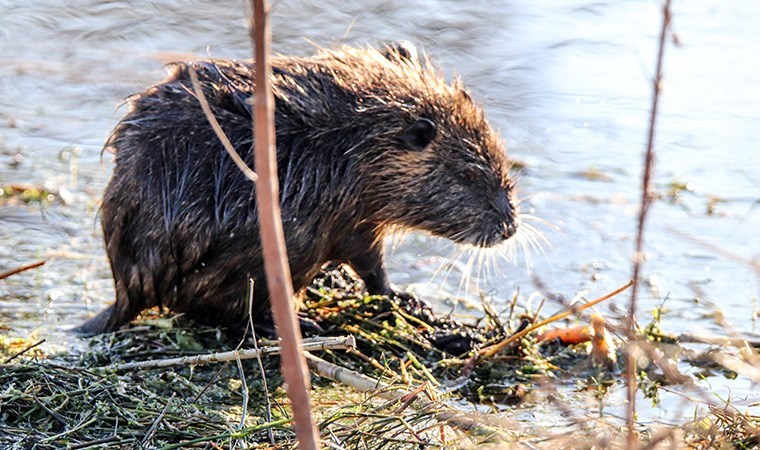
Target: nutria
<point x="368" y="141"/>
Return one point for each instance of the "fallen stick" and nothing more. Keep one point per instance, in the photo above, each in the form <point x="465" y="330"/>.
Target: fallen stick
<point x="23" y="268"/>
<point x="19" y="353"/>
<point x="451" y="416"/>
<point x="493" y="349"/>
<point x="315" y="344"/>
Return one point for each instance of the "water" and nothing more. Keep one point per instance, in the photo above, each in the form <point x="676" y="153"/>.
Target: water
<point x="567" y="83"/>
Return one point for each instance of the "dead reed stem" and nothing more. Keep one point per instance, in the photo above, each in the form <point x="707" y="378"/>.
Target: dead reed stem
<point x="250" y="174"/>
<point x="26" y="349"/>
<point x="272" y="239"/>
<point x="493" y="349"/>
<point x="638" y="256"/>
<point x="314" y="344"/>
<point x="23" y="268"/>
<point x="362" y="383"/>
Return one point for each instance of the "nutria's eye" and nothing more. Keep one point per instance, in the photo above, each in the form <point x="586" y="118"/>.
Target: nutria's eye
<point x="420" y="134"/>
<point x="402" y="51"/>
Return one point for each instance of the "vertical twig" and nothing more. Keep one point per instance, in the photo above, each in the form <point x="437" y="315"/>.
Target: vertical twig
<point x="638" y="256"/>
<point x="273" y="242"/>
<point x="245" y="393"/>
<point x="268" y="405"/>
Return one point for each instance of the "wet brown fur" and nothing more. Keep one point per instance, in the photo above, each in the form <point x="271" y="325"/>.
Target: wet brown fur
<point x="367" y="141"/>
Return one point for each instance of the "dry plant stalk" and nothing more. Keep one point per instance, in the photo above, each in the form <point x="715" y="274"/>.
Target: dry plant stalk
<point x="493" y="349"/>
<point x="363" y="383"/>
<point x="752" y="263"/>
<point x="272" y="240"/>
<point x="646" y="201"/>
<point x="24" y="350"/>
<point x="250" y="174"/>
<point x="314" y="344"/>
<point x="23" y="268"/>
<point x="706" y="337"/>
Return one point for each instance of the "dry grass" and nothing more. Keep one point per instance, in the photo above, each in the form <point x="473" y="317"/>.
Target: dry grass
<point x="68" y="400"/>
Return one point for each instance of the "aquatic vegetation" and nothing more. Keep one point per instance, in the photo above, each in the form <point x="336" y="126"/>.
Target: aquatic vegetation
<point x="420" y="399"/>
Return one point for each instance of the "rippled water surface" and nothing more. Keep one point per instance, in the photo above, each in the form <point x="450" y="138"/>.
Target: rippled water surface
<point x="567" y="82"/>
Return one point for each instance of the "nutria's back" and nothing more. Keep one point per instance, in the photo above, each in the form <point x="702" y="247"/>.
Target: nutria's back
<point x="367" y="140"/>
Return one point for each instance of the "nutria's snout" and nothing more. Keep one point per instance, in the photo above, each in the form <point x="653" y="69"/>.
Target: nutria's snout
<point x="498" y="223"/>
<point x="505" y="217"/>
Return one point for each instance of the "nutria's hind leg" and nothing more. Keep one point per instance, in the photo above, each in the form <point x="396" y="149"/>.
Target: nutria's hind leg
<point x="113" y="317"/>
<point x="98" y="324"/>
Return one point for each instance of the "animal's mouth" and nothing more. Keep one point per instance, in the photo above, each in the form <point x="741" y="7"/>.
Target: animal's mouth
<point x="503" y="232"/>
<point x="503" y="220"/>
<point x="489" y="236"/>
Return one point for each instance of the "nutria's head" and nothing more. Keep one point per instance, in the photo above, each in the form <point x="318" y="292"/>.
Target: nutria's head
<point x="430" y="160"/>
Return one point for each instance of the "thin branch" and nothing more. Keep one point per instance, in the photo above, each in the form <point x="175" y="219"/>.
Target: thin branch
<point x="23" y="268"/>
<point x="752" y="263"/>
<point x="315" y="344"/>
<point x="154" y="426"/>
<point x="646" y="201"/>
<point x="493" y="349"/>
<point x="244" y="392"/>
<point x="250" y="174"/>
<point x="17" y="354"/>
<point x="268" y="405"/>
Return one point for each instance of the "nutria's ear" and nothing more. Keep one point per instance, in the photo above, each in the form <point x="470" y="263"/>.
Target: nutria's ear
<point x="420" y="134"/>
<point x="402" y="51"/>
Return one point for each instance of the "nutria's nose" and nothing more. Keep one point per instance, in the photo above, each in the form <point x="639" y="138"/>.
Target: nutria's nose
<point x="506" y="214"/>
<point x="510" y="228"/>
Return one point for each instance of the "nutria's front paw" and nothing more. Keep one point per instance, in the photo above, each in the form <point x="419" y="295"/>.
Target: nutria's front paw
<point x="414" y="305"/>
<point x="454" y="341"/>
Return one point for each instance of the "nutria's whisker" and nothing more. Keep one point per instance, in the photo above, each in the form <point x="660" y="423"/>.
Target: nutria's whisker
<point x="537" y="237"/>
<point x="447" y="266"/>
<point x="494" y="269"/>
<point x="520" y="240"/>
<point x="529" y="217"/>
<point x="465" y="279"/>
<point x="482" y="253"/>
<point x="530" y="238"/>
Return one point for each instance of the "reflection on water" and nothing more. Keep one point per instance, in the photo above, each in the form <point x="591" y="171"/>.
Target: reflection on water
<point x="568" y="84"/>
